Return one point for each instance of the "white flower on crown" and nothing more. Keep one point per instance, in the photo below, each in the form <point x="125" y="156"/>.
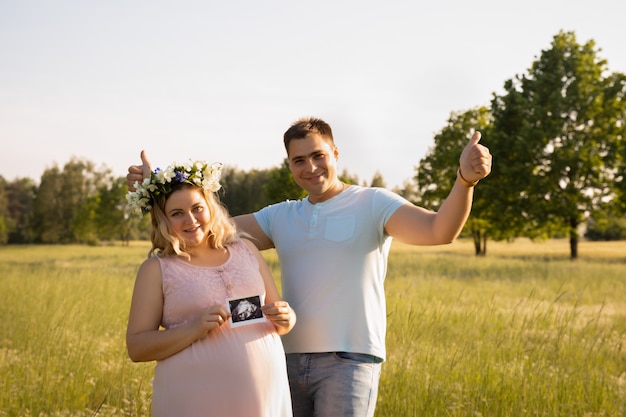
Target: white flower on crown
<point x="199" y="173"/>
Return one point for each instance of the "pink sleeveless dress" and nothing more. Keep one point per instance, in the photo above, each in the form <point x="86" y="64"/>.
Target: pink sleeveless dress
<point x="236" y="371"/>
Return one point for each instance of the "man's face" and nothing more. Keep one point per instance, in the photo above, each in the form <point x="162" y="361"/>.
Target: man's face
<point x="313" y="164"/>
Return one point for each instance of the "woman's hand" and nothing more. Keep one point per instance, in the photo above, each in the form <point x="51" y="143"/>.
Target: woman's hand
<point x="211" y="319"/>
<point x="281" y="315"/>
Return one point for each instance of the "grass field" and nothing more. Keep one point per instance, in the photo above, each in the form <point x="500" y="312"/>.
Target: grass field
<point x="523" y="331"/>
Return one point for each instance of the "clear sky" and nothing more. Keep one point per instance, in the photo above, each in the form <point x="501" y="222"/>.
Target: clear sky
<point x="223" y="80"/>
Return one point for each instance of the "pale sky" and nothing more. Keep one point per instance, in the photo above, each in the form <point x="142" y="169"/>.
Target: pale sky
<point x="223" y="80"/>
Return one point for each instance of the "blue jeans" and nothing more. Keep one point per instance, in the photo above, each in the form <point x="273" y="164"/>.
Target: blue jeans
<point x="333" y="384"/>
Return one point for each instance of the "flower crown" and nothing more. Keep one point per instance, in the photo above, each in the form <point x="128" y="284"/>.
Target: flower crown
<point x="198" y="173"/>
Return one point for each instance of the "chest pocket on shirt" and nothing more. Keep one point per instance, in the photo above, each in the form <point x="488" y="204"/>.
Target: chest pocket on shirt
<point x="340" y="228"/>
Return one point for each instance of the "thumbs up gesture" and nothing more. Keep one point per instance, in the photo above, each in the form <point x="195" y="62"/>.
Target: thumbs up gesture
<point x="475" y="161"/>
<point x="137" y="173"/>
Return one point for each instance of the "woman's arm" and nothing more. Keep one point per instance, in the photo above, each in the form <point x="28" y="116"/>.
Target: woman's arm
<point x="145" y="340"/>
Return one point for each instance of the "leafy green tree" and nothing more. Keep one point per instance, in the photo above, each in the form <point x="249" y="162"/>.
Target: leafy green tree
<point x="4" y="211"/>
<point x="4" y="230"/>
<point x="281" y="185"/>
<point x="348" y="178"/>
<point x="378" y="181"/>
<point x="436" y="172"/>
<point x="555" y="139"/>
<point x="111" y="210"/>
<point x="47" y="208"/>
<point x="512" y="164"/>
<point x="134" y="226"/>
<point x="104" y="215"/>
<point x="607" y="228"/>
<point x="409" y="190"/>
<point x="64" y="202"/>
<point x="84" y="228"/>
<point x="615" y="89"/>
<point x="20" y="196"/>
<point x="243" y="192"/>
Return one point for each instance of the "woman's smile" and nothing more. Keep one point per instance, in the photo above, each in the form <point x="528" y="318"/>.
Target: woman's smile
<point x="188" y="215"/>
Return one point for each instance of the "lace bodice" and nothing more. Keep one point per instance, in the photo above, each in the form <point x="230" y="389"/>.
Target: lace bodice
<point x="189" y="289"/>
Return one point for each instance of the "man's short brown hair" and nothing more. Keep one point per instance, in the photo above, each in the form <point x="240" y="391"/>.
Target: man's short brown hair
<point x="301" y="128"/>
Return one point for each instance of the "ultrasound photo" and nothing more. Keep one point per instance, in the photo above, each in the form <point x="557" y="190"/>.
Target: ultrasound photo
<point x="245" y="310"/>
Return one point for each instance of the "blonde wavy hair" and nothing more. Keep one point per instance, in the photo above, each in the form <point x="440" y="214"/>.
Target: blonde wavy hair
<point x="166" y="242"/>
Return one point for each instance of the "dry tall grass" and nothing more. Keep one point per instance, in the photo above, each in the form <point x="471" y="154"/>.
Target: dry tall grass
<point x="523" y="331"/>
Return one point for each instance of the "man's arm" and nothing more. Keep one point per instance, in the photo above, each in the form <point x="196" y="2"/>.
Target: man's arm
<point x="247" y="223"/>
<point x="418" y="226"/>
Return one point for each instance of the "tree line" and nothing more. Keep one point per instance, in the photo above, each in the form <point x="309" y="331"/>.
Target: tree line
<point x="83" y="203"/>
<point x="559" y="165"/>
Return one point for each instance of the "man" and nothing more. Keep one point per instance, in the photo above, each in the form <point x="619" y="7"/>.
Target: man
<point x="333" y="247"/>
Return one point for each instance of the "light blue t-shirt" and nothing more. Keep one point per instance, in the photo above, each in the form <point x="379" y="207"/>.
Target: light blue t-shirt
<point x="333" y="261"/>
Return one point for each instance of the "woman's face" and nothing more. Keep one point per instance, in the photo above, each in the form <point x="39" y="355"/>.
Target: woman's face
<point x="188" y="214"/>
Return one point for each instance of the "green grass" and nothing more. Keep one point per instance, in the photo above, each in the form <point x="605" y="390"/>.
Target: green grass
<point x="523" y="331"/>
<point x="62" y="350"/>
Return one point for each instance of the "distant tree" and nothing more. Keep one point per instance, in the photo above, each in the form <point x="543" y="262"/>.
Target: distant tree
<point x="110" y="211"/>
<point x="47" y="209"/>
<point x="83" y="224"/>
<point x="81" y="182"/>
<point x="615" y="88"/>
<point x="134" y="226"/>
<point x="607" y="228"/>
<point x="20" y="196"/>
<point x="243" y="192"/>
<point x="113" y="219"/>
<point x="4" y="213"/>
<point x="64" y="202"/>
<point x="4" y="230"/>
<point x="378" y="181"/>
<point x="281" y="185"/>
<point x="555" y="137"/>
<point x="348" y="178"/>
<point x="409" y="190"/>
